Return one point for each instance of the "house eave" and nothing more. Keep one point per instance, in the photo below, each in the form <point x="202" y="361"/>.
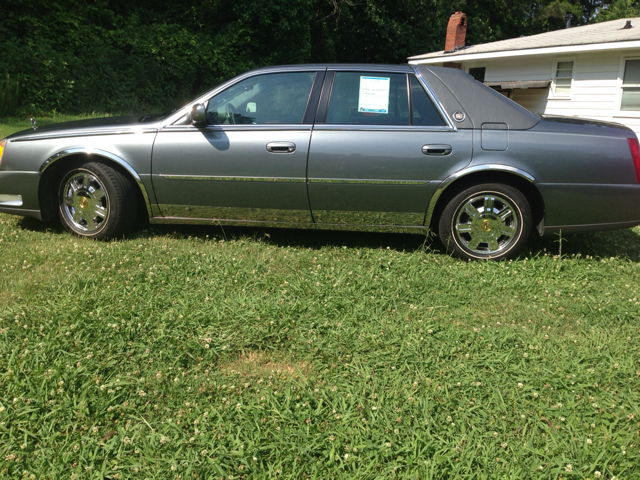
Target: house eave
<point x="594" y="47"/>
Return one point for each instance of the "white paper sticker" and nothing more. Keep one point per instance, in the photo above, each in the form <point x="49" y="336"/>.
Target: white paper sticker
<point x="374" y="94"/>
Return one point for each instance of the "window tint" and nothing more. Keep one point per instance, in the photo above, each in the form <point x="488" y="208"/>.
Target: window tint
<point x="423" y="110"/>
<point x="359" y="98"/>
<point x="279" y="98"/>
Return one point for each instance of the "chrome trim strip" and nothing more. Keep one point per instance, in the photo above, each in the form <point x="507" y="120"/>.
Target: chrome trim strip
<point x="354" y="217"/>
<point x="218" y="178"/>
<point x="306" y="226"/>
<point x="101" y="153"/>
<point x="368" y="182"/>
<point x="10" y="200"/>
<point x="236" y="214"/>
<point x="466" y="171"/>
<point x="239" y="128"/>
<point x="383" y="128"/>
<point x="95" y="133"/>
<point x="433" y="97"/>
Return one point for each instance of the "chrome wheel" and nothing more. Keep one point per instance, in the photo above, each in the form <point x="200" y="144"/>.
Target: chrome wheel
<point x="487" y="223"/>
<point x="85" y="202"/>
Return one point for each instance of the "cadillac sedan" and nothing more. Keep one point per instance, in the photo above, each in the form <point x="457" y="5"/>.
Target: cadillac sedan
<point x="334" y="147"/>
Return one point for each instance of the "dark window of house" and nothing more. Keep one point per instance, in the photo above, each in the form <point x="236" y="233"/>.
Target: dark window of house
<point x="478" y="73"/>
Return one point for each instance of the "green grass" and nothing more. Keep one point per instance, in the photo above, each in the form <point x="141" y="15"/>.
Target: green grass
<point x="12" y="124"/>
<point x="193" y="352"/>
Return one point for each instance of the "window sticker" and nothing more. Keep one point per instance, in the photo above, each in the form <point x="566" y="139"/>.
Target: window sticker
<point x="374" y="94"/>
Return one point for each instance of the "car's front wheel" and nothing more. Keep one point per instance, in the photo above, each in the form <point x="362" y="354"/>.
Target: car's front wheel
<point x="96" y="201"/>
<point x="487" y="221"/>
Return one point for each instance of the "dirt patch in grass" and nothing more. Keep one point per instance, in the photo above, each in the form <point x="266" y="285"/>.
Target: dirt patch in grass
<point x="261" y="364"/>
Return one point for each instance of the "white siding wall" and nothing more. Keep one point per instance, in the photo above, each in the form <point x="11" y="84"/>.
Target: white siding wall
<point x="595" y="91"/>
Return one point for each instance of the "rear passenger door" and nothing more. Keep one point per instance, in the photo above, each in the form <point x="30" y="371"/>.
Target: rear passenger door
<point x="379" y="149"/>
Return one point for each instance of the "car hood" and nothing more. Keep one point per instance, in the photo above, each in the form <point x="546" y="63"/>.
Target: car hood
<point x="93" y="126"/>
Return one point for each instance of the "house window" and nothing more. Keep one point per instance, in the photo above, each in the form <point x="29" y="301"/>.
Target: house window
<point x="563" y="77"/>
<point x="631" y="86"/>
<point x="478" y="73"/>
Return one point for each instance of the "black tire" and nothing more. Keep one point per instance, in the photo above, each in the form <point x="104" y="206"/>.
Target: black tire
<point x="486" y="221"/>
<point x="96" y="201"/>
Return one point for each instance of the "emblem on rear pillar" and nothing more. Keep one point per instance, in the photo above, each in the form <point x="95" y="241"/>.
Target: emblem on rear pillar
<point x="459" y="116"/>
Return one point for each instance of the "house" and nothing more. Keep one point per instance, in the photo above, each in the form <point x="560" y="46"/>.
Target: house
<point x="591" y="71"/>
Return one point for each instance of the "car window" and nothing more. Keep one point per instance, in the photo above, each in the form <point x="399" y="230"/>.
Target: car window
<point x="277" y="98"/>
<point x="422" y="108"/>
<point x="362" y="98"/>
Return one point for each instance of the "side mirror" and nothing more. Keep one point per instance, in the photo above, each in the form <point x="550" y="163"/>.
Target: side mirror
<point x="198" y="115"/>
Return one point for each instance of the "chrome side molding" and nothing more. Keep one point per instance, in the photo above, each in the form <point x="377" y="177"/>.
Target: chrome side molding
<point x="101" y="153"/>
<point x="466" y="171"/>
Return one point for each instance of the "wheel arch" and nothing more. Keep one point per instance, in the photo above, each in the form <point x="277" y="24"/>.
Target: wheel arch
<point x="52" y="167"/>
<point x="468" y="177"/>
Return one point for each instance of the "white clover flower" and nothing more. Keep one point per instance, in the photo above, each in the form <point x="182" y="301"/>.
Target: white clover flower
<point x="568" y="468"/>
<point x="589" y="441"/>
<point x="520" y="385"/>
<point x="597" y="474"/>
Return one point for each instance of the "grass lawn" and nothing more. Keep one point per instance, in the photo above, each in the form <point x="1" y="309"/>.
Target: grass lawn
<point x="193" y="352"/>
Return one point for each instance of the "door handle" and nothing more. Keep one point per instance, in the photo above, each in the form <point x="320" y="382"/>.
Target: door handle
<point x="437" y="150"/>
<point x="281" y="147"/>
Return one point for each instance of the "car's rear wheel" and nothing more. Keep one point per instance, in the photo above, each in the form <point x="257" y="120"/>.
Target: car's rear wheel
<point x="96" y="201"/>
<point x="487" y="221"/>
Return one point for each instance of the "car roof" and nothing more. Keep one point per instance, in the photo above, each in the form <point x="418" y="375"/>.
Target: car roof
<point x="336" y="66"/>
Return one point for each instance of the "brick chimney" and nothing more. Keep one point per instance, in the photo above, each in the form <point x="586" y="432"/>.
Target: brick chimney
<point x="456" y="32"/>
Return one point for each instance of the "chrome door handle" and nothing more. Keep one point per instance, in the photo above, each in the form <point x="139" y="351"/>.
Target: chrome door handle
<point x="438" y="150"/>
<point x="281" y="147"/>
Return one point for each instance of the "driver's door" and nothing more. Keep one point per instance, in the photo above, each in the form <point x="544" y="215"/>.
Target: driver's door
<point x="249" y="162"/>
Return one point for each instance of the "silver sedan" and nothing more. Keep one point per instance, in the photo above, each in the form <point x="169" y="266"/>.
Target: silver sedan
<point x="335" y="147"/>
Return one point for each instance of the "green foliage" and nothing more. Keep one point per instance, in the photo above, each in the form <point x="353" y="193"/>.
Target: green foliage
<point x="9" y="95"/>
<point x="185" y="351"/>
<point x="620" y="9"/>
<point x="146" y="56"/>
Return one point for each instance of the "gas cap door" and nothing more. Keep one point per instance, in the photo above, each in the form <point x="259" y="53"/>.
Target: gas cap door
<point x="495" y="136"/>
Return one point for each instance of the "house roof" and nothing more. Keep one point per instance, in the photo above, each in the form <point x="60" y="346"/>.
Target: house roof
<point x="582" y="38"/>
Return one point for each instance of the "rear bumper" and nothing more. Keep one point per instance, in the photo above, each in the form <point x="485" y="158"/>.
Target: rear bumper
<point x="587" y="207"/>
